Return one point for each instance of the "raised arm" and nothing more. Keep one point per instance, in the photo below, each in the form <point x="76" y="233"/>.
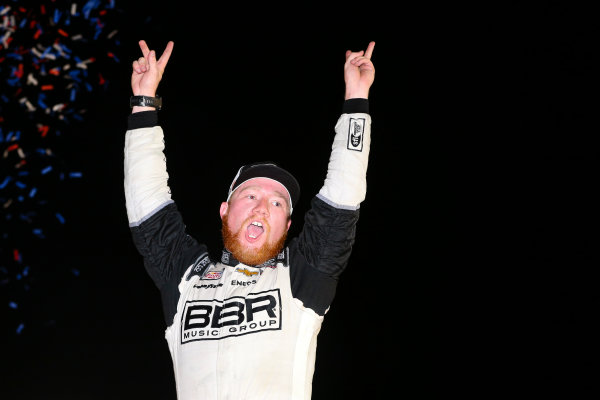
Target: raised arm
<point x="326" y="240"/>
<point x="345" y="185"/>
<point x="147" y="72"/>
<point x="156" y="225"/>
<point x="146" y="188"/>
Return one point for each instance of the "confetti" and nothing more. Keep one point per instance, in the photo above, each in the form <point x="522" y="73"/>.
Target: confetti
<point x="55" y="55"/>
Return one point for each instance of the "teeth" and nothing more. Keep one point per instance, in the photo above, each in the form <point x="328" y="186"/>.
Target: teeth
<point x="256" y="223"/>
<point x="252" y="236"/>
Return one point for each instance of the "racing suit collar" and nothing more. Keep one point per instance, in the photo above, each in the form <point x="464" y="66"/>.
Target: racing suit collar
<point x="227" y="258"/>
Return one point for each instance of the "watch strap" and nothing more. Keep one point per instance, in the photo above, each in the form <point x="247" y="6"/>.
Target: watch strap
<point x="145" y="101"/>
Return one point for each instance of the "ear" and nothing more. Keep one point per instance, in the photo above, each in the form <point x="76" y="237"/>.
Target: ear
<point x="289" y="223"/>
<point x="224" y="208"/>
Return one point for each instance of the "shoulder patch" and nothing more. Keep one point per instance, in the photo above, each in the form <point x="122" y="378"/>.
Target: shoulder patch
<point x="199" y="266"/>
<point x="283" y="258"/>
<point x="356" y="132"/>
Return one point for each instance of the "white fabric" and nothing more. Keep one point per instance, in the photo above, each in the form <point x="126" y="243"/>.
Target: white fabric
<point x="346" y="183"/>
<point x="146" y="189"/>
<point x="233" y="366"/>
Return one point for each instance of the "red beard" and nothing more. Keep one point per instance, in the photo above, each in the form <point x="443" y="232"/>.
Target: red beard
<point x="247" y="255"/>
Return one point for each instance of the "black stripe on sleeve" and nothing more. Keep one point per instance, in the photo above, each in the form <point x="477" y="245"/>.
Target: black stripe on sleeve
<point x="142" y="119"/>
<point x="352" y="106"/>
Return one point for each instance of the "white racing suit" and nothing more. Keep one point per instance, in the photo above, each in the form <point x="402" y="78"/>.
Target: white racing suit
<point x="237" y="331"/>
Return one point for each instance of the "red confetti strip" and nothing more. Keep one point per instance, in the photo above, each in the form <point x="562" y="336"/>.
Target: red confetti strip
<point x="19" y="71"/>
<point x="65" y="34"/>
<point x="43" y="129"/>
<point x="47" y="87"/>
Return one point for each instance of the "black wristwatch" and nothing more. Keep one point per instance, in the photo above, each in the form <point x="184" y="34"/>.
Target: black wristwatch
<point x="145" y="101"/>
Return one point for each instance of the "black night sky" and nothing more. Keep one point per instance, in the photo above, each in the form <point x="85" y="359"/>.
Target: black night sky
<point x="473" y="270"/>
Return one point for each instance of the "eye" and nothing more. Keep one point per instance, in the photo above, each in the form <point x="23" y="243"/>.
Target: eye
<point x="276" y="203"/>
<point x="251" y="197"/>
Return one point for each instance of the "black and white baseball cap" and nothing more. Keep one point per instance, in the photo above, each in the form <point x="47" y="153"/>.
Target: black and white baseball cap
<point x="269" y="170"/>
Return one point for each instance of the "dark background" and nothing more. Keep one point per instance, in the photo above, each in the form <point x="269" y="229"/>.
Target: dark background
<point x="474" y="269"/>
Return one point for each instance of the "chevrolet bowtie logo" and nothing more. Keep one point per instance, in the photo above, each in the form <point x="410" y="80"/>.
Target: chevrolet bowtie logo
<point x="246" y="272"/>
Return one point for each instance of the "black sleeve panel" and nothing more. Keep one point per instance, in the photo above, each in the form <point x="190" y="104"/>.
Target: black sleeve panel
<point x="327" y="237"/>
<point x="352" y="106"/>
<point x="142" y="119"/>
<point x="315" y="289"/>
<point x="168" y="251"/>
<point x="320" y="254"/>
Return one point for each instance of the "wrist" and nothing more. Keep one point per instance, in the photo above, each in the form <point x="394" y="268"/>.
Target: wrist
<point x="136" y="109"/>
<point x="356" y="94"/>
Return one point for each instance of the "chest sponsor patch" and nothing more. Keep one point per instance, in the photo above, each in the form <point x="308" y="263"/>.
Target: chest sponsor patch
<point x="212" y="275"/>
<point x="236" y="316"/>
<point x="247" y="272"/>
<point x="208" y="285"/>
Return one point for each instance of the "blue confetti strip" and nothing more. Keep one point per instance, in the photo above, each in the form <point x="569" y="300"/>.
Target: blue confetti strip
<point x="60" y="218"/>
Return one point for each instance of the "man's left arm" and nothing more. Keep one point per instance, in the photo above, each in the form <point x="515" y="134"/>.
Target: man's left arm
<point x="325" y="242"/>
<point x="345" y="185"/>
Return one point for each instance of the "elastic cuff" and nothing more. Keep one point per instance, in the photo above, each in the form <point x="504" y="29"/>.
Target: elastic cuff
<point x="352" y="106"/>
<point x="142" y="119"/>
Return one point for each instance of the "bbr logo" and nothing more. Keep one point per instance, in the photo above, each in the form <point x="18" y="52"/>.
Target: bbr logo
<point x="205" y="319"/>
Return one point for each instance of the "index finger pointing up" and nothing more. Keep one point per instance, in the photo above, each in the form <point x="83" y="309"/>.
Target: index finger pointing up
<point x="369" y="51"/>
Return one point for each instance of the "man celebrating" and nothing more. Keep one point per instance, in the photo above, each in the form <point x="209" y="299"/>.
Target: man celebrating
<point x="245" y="326"/>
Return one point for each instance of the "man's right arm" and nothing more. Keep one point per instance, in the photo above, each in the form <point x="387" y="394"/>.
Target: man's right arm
<point x="146" y="189"/>
<point x="156" y="225"/>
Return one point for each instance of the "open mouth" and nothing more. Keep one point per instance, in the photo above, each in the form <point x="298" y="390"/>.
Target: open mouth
<point x="254" y="230"/>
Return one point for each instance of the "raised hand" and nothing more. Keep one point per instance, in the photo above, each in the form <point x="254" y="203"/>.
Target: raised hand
<point x="359" y="73"/>
<point x="147" y="71"/>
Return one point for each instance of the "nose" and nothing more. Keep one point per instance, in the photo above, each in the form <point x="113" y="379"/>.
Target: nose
<point x="262" y="207"/>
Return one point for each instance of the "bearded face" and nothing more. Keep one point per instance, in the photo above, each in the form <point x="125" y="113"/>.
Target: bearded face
<point x="256" y="220"/>
<point x="249" y="255"/>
